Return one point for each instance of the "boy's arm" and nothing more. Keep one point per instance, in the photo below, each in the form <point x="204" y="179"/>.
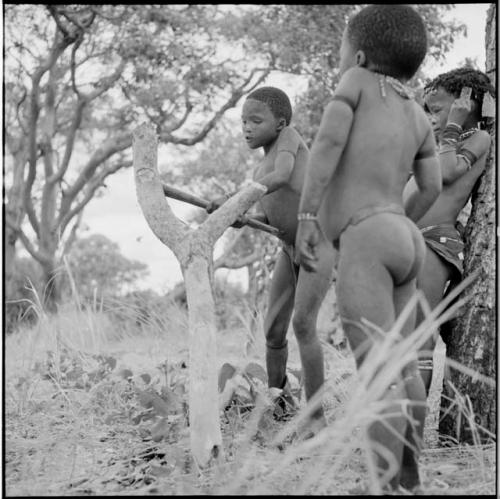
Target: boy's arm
<point x="456" y="161"/>
<point x="287" y="147"/>
<point x="326" y="151"/>
<point x="469" y="178"/>
<point x="427" y="175"/>
<point x="329" y="142"/>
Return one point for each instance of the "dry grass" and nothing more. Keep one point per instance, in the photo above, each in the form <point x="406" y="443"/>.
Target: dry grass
<point x="65" y="440"/>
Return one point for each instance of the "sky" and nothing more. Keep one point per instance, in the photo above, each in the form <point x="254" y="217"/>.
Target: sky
<point x="117" y="213"/>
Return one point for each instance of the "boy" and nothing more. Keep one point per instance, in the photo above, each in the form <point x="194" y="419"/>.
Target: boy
<point x="266" y="117"/>
<point x="372" y="134"/>
<point x="456" y="102"/>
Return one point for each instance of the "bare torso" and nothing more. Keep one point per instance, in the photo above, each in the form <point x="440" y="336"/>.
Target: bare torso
<point x="281" y="206"/>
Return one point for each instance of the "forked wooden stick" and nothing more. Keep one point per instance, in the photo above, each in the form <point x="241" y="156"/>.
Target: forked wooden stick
<point x="174" y="193"/>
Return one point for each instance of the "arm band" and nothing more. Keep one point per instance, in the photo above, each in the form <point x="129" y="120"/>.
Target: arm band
<point x="425" y="154"/>
<point x="345" y="100"/>
<point x="469" y="157"/>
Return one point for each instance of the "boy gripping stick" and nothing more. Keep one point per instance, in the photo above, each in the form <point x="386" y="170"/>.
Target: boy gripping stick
<point x="266" y="117"/>
<point x="372" y="135"/>
<point x="456" y="102"/>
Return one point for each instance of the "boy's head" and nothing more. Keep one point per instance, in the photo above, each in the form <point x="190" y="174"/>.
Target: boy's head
<point x="276" y="99"/>
<point x="266" y="112"/>
<point x="390" y="39"/>
<point x="440" y="93"/>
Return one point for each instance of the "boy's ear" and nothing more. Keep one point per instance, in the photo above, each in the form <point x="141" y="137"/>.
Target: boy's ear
<point x="281" y="124"/>
<point x="360" y="58"/>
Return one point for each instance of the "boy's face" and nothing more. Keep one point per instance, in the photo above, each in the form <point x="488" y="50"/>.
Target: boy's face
<point x="347" y="55"/>
<point x="260" y="126"/>
<point x="437" y="105"/>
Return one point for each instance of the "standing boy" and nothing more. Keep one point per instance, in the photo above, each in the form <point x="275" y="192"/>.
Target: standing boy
<point x="372" y="135"/>
<point x="266" y="117"/>
<point x="457" y="102"/>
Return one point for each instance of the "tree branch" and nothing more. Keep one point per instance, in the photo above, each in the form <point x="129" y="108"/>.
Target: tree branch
<point x="103" y="153"/>
<point x="70" y="141"/>
<point x="92" y="186"/>
<point x="166" y="136"/>
<point x="72" y="233"/>
<point x="48" y="204"/>
<point x="39" y="256"/>
<point x="187" y="111"/>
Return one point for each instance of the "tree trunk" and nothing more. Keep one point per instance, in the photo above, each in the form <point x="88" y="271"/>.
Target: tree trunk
<point x="14" y="211"/>
<point x="51" y="288"/>
<point x="472" y="343"/>
<point x="206" y="439"/>
<point x="193" y="249"/>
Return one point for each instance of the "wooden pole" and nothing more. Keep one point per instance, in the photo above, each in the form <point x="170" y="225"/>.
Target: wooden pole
<point x="174" y="193"/>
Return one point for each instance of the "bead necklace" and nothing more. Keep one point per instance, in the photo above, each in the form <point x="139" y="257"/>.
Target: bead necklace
<point x="467" y="134"/>
<point x="398" y="87"/>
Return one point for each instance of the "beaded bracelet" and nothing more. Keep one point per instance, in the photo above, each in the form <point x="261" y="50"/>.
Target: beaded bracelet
<point x="466" y="159"/>
<point x="451" y="133"/>
<point x="306" y="216"/>
<point x="453" y="124"/>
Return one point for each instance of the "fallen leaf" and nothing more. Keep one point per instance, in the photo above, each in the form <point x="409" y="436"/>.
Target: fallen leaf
<point x="226" y="372"/>
<point x="160" y="430"/>
<point x="255" y="370"/>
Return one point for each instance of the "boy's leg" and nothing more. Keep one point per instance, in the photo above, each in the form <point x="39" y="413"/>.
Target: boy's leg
<point x="277" y="320"/>
<point x="431" y="281"/>
<point x="366" y="290"/>
<point x="415" y="392"/>
<point x="373" y="256"/>
<point x="311" y="290"/>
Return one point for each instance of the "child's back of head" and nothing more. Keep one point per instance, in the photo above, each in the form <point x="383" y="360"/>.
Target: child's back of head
<point x="393" y="38"/>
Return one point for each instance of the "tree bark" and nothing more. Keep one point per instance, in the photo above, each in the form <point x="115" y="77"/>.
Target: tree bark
<point x="14" y="212"/>
<point x="193" y="249"/>
<point x="469" y="399"/>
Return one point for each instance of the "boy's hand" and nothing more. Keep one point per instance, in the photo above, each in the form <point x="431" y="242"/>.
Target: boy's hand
<point x="461" y="107"/>
<point x="306" y="243"/>
<point x="240" y="222"/>
<point x="216" y="203"/>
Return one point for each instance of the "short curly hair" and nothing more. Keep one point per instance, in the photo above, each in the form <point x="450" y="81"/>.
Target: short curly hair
<point x="453" y="81"/>
<point x="276" y="99"/>
<point x="393" y="38"/>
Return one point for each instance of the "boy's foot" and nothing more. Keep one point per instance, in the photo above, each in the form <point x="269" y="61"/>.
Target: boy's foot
<point x="285" y="404"/>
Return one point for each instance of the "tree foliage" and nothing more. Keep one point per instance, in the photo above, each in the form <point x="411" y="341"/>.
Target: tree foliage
<point x="78" y="78"/>
<point x="98" y="268"/>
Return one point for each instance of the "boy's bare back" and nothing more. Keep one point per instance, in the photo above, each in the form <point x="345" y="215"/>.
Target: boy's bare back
<point x="386" y="135"/>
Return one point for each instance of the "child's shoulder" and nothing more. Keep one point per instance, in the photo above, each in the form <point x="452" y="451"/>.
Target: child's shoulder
<point x="290" y="133"/>
<point x="290" y="139"/>
<point x="481" y="140"/>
